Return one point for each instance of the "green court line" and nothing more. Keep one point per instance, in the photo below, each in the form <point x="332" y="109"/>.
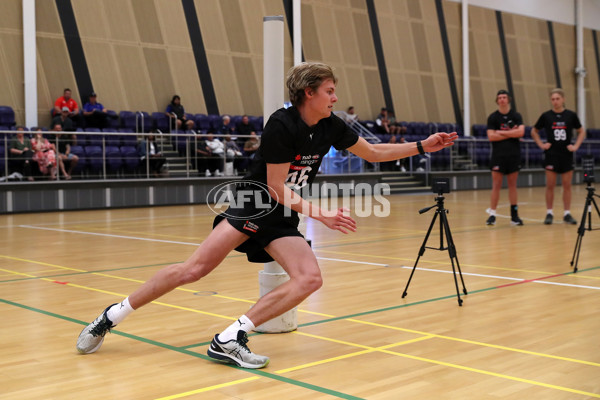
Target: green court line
<point x="193" y="354"/>
<point x="350" y="316"/>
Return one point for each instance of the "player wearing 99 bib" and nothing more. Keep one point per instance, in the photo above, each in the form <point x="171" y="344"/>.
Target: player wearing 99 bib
<point x="293" y="144"/>
<point x="558" y="123"/>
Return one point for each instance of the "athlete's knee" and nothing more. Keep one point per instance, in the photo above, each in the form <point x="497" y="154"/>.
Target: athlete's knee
<point x="190" y="272"/>
<point x="310" y="282"/>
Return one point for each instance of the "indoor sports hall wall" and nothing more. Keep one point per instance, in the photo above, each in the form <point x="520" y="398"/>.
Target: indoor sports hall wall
<point x="403" y="54"/>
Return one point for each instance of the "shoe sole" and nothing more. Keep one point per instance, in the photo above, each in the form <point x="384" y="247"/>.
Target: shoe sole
<point x="227" y="359"/>
<point x="520" y="223"/>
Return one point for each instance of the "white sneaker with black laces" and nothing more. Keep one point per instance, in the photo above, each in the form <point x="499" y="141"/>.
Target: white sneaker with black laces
<point x="236" y="352"/>
<point x="91" y="337"/>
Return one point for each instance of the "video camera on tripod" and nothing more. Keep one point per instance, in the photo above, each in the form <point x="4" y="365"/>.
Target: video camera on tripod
<point x="587" y="162"/>
<point x="590" y="204"/>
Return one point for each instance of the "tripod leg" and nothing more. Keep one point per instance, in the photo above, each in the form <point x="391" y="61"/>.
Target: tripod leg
<point x="581" y="231"/>
<point x="421" y="252"/>
<point x="453" y="256"/>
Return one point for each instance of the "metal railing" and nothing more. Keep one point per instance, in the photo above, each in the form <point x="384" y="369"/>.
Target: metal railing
<point x="117" y="155"/>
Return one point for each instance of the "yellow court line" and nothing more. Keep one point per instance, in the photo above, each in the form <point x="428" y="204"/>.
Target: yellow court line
<point x="209" y="388"/>
<point x="140" y="281"/>
<point x="296" y="368"/>
<point x="366" y="348"/>
<point x="495" y="374"/>
<point x="348" y="319"/>
<point x="357" y="353"/>
<point x="383" y="349"/>
<point x="533" y="353"/>
<point x="41" y="263"/>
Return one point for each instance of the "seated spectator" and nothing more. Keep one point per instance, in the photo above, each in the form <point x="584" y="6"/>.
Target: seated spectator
<point x="67" y="101"/>
<point x="147" y="149"/>
<point x="396" y="128"/>
<point x="350" y="115"/>
<point x="252" y="144"/>
<point x="65" y="122"/>
<point x="226" y="128"/>
<point x="384" y="125"/>
<point x="44" y="154"/>
<point x="217" y="154"/>
<point x="21" y="154"/>
<point x="203" y="154"/>
<point x="94" y="113"/>
<point x="233" y="153"/>
<point x="244" y="128"/>
<point x="176" y="111"/>
<point x="250" y="147"/>
<point x="64" y="151"/>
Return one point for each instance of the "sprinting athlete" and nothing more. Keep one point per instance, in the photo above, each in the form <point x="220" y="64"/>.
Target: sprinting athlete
<point x="293" y="144"/>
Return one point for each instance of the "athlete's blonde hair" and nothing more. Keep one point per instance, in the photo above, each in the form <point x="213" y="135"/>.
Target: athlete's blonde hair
<point x="558" y="91"/>
<point x="307" y="75"/>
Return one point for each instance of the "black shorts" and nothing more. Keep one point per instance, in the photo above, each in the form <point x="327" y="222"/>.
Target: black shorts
<point x="505" y="164"/>
<point x="558" y="162"/>
<point x="261" y="231"/>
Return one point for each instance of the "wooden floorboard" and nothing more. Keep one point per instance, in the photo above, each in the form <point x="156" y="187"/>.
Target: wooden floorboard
<point x="527" y="329"/>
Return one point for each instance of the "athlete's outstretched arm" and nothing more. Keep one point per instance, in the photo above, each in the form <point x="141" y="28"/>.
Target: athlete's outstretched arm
<point x="277" y="175"/>
<point x="393" y="151"/>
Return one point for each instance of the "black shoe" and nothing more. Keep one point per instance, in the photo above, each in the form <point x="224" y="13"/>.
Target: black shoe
<point x="491" y="220"/>
<point x="515" y="220"/>
<point x="568" y="219"/>
<point x="548" y="220"/>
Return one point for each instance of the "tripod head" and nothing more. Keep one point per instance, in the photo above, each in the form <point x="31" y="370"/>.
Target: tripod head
<point x="439" y="186"/>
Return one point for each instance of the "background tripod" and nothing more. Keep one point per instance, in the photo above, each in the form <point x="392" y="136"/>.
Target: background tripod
<point x="444" y="229"/>
<point x="586" y="217"/>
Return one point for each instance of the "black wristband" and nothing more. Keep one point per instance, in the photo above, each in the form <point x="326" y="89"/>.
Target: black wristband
<point x="420" y="148"/>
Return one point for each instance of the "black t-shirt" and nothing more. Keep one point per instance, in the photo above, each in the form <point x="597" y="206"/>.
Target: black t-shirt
<point x="559" y="129"/>
<point x="505" y="122"/>
<point x="287" y="139"/>
<point x="63" y="141"/>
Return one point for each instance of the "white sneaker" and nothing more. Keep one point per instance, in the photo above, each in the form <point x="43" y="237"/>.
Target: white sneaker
<point x="91" y="337"/>
<point x="207" y="173"/>
<point x="218" y="173"/>
<point x="420" y="169"/>
<point x="236" y="352"/>
<point x="402" y="169"/>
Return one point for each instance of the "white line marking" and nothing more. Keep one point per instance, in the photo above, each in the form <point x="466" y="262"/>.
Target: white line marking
<point x="350" y="261"/>
<point x="322" y="258"/>
<point x="108" y="235"/>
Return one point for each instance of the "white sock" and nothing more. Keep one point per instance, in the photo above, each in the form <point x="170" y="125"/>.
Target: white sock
<point x="242" y="324"/>
<point x="549" y="211"/>
<point x="567" y="212"/>
<point x="118" y="312"/>
<point x="491" y="212"/>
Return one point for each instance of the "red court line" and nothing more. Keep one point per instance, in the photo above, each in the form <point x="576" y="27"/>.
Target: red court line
<point x="532" y="280"/>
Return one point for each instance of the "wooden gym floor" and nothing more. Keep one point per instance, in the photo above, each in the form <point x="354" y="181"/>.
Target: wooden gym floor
<point x="527" y="329"/>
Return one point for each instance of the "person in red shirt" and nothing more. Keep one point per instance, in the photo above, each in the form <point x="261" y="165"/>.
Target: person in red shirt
<point x="66" y="101"/>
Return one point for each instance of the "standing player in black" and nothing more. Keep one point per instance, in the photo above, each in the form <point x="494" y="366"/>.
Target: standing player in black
<point x="558" y="123"/>
<point x="504" y="129"/>
<point x="293" y="144"/>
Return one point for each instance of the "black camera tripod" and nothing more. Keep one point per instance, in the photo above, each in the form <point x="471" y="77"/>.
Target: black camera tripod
<point x="444" y="229"/>
<point x="586" y="217"/>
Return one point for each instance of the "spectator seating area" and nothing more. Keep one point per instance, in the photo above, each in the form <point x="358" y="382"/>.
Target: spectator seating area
<point x="120" y="142"/>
